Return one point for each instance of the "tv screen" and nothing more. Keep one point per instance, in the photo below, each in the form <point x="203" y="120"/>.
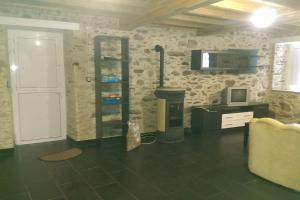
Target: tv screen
<point x="238" y="95"/>
<point x="232" y="61"/>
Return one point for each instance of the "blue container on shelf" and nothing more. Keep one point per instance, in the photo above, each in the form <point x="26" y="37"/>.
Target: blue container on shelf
<point x="111" y="101"/>
<point x="112" y="78"/>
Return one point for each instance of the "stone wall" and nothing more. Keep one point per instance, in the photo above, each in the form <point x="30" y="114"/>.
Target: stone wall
<point x="201" y="88"/>
<point x="77" y="66"/>
<point x="280" y="71"/>
<point x="6" y="127"/>
<point x="286" y="105"/>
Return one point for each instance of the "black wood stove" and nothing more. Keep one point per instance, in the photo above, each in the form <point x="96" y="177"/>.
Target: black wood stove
<point x="170" y="108"/>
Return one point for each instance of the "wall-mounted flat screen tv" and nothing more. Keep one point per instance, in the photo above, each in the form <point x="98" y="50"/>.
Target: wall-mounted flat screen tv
<point x="238" y="59"/>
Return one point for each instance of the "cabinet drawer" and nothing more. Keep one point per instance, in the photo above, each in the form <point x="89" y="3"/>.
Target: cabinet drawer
<point x="233" y="124"/>
<point x="230" y="116"/>
<point x="246" y="116"/>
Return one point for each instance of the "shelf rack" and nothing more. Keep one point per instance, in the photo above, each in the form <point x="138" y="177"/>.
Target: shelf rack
<point x="104" y="61"/>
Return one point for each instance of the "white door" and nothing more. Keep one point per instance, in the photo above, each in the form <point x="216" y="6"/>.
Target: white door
<point x="38" y="86"/>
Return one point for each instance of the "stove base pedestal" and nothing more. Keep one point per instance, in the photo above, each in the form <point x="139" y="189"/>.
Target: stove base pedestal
<point x="175" y="135"/>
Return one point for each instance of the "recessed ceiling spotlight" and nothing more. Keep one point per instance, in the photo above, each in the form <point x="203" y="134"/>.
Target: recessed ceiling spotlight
<point x="264" y="17"/>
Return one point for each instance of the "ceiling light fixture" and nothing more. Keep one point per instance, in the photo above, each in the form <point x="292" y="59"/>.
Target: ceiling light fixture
<point x="37" y="42"/>
<point x="264" y="17"/>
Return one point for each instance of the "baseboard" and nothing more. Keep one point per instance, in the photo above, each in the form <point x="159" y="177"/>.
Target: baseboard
<point x="113" y="142"/>
<point x="186" y="131"/>
<point x="7" y="151"/>
<point x="91" y="142"/>
<point x="106" y="142"/>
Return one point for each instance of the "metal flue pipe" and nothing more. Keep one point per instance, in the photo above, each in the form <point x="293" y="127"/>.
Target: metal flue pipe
<point x="161" y="50"/>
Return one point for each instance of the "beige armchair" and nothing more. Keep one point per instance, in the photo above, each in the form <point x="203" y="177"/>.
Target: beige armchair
<point x="274" y="151"/>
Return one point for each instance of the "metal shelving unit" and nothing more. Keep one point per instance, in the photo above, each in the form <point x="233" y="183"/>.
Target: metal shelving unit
<point x="112" y="86"/>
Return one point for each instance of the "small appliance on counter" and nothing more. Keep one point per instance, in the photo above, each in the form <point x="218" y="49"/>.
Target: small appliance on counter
<point x="170" y="108"/>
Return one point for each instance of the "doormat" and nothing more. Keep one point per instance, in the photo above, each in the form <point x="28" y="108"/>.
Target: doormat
<point x="60" y="156"/>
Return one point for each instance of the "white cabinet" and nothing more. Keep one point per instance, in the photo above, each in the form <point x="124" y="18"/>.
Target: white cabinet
<point x="232" y="120"/>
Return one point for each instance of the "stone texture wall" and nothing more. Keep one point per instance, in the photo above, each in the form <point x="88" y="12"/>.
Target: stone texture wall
<point x="6" y="127"/>
<point x="280" y="71"/>
<point x="286" y="105"/>
<point x="77" y="66"/>
<point x="201" y="88"/>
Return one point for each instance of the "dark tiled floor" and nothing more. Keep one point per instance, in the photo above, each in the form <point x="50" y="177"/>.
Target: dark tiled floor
<point x="204" y="167"/>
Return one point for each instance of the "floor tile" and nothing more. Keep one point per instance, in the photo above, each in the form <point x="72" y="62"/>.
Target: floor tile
<point x="138" y="187"/>
<point x="65" y="174"/>
<point x="240" y="174"/>
<point x="58" y="164"/>
<point x="79" y="191"/>
<point x="41" y="190"/>
<point x="220" y="196"/>
<point x="209" y="166"/>
<point x="97" y="177"/>
<point x="82" y="163"/>
<point x="35" y="173"/>
<point x="114" y="192"/>
<point x="111" y="165"/>
<point x="241" y="192"/>
<point x="21" y="196"/>
<point x="11" y="187"/>
<point x="272" y="191"/>
<point x="59" y="198"/>
<point x="184" y="194"/>
<point x="203" y="189"/>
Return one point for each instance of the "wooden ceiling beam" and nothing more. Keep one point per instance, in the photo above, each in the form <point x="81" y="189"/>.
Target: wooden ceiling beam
<point x="101" y="9"/>
<point x="285" y="17"/>
<point x="104" y="3"/>
<point x="179" y="23"/>
<point x="134" y="3"/>
<point x="294" y="4"/>
<point x="163" y="10"/>
<point x="211" y="15"/>
<point x="225" y="29"/>
<point x="236" y="5"/>
<point x="236" y="10"/>
<point x="213" y="11"/>
<point x="202" y="19"/>
<point x="271" y="30"/>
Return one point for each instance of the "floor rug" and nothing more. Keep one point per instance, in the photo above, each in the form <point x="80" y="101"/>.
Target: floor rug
<point x="64" y="155"/>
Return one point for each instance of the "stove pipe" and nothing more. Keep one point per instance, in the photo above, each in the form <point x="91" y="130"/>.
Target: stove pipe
<point x="161" y="50"/>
